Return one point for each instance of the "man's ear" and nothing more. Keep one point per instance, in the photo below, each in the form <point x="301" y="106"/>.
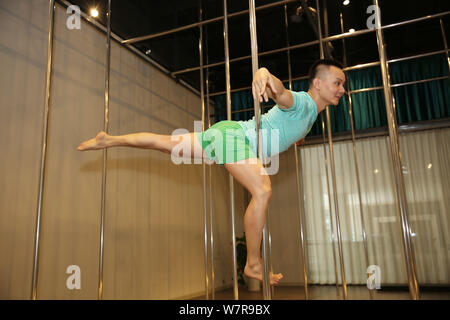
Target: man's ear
<point x="316" y="83"/>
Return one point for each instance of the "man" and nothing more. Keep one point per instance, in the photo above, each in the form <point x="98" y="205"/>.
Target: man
<point x="292" y="117"/>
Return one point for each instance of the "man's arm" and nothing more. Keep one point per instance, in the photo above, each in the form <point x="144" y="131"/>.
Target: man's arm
<point x="266" y="85"/>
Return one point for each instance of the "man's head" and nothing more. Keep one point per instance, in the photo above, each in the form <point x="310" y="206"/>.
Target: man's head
<point x="327" y="79"/>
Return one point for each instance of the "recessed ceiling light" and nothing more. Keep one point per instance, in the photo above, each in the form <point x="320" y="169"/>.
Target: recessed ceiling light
<point x="346" y="2"/>
<point x="94" y="12"/>
<point x="429" y="166"/>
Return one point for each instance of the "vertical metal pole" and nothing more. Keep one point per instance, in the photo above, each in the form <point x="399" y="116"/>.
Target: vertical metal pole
<point x="444" y="39"/>
<point x="333" y="236"/>
<point x="301" y="207"/>
<point x="211" y="209"/>
<point x="211" y="198"/>
<point x="267" y="232"/>
<point x="105" y="151"/>
<point x="202" y="97"/>
<point x="326" y="167"/>
<point x="344" y="51"/>
<point x="338" y="229"/>
<point x="355" y="157"/>
<point x="269" y="252"/>
<point x="333" y="173"/>
<point x="322" y="54"/>
<point x="329" y="203"/>
<point x="227" y="76"/>
<point x="397" y="163"/>
<point x="254" y="48"/>
<point x="48" y="87"/>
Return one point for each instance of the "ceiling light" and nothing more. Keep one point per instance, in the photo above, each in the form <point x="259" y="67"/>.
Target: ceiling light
<point x="346" y="2"/>
<point x="351" y="30"/>
<point x="429" y="166"/>
<point x="94" y="12"/>
<point x="376" y="171"/>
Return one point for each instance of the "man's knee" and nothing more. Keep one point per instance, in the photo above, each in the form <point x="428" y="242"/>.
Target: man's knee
<point x="263" y="192"/>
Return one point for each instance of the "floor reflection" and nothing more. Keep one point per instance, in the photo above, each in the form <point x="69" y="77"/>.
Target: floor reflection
<point x="327" y="292"/>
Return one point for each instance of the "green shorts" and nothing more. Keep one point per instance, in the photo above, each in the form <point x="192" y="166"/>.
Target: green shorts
<point x="225" y="142"/>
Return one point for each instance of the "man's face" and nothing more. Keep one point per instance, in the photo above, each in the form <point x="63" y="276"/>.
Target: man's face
<point x="331" y="85"/>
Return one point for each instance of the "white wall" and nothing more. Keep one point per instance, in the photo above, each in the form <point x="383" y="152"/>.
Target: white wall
<point x="154" y="209"/>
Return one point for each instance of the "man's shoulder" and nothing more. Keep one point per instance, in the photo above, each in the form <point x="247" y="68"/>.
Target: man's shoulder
<point x="299" y="99"/>
<point x="300" y="94"/>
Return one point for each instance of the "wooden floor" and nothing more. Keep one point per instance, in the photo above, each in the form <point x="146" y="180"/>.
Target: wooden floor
<point x="326" y="292"/>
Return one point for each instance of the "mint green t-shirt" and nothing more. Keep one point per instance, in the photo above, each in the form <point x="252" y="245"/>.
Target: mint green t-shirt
<point x="280" y="128"/>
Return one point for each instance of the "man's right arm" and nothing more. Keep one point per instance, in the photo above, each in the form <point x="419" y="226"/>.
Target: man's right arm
<point x="266" y="85"/>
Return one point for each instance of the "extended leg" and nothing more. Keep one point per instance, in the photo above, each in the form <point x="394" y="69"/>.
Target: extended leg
<point x="146" y="140"/>
<point x="249" y="175"/>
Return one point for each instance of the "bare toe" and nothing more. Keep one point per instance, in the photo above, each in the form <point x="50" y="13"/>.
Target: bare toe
<point x="98" y="142"/>
<point x="255" y="272"/>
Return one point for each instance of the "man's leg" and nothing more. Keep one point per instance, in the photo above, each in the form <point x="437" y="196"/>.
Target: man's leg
<point x="147" y="140"/>
<point x="249" y="175"/>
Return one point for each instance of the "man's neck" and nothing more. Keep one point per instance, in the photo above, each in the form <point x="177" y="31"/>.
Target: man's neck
<point x="321" y="105"/>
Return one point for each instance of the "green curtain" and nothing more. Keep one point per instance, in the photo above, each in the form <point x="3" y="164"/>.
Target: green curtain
<point x="418" y="102"/>
<point x="369" y="108"/>
<point x="422" y="101"/>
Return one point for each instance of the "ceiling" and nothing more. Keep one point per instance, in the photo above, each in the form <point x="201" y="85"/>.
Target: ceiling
<point x="178" y="51"/>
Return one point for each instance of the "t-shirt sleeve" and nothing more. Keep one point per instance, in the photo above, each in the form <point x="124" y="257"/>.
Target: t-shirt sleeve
<point x="299" y="102"/>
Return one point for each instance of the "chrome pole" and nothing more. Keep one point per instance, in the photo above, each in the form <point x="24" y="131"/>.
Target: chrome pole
<point x="227" y="79"/>
<point x="269" y="237"/>
<point x="211" y="198"/>
<point x="301" y="206"/>
<point x="211" y="210"/>
<point x="333" y="173"/>
<point x="254" y="48"/>
<point x="408" y="250"/>
<point x="301" y="218"/>
<point x="358" y="182"/>
<point x="344" y="51"/>
<point x="105" y="151"/>
<point x="48" y="87"/>
<point x="338" y="229"/>
<point x="269" y="251"/>
<point x="329" y="202"/>
<point x="336" y="212"/>
<point x="355" y="156"/>
<point x="202" y="97"/>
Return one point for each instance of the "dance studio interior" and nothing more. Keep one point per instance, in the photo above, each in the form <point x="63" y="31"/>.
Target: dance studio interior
<point x="360" y="210"/>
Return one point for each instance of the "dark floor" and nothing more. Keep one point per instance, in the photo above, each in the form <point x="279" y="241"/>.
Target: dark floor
<point x="327" y="292"/>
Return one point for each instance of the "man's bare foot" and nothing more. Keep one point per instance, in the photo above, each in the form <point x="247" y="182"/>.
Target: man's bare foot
<point x="256" y="272"/>
<point x="99" y="142"/>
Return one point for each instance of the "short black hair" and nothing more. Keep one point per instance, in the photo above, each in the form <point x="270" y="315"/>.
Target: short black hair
<point x="322" y="62"/>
